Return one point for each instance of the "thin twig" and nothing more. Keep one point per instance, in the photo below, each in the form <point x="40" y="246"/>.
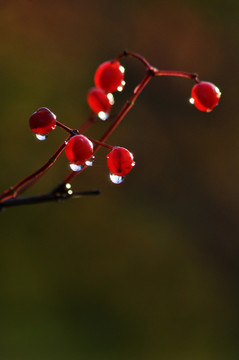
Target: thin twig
<point x="49" y="197"/>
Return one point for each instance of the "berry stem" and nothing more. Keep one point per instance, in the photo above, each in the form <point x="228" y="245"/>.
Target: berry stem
<point x="135" y="55"/>
<point x="69" y="130"/>
<point x="103" y="144"/>
<point x="192" y="76"/>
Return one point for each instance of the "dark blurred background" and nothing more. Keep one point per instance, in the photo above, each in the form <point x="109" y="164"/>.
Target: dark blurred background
<point x="149" y="269"/>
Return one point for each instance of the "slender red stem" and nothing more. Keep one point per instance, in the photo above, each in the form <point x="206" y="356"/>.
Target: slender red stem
<point x="192" y="76"/>
<point x="137" y="56"/>
<point x="69" y="130"/>
<point x="99" y="143"/>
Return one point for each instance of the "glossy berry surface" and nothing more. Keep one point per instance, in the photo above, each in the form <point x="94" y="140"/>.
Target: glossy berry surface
<point x="42" y="121"/>
<point x="109" y="76"/>
<point x="99" y="101"/>
<point x="120" y="161"/>
<point x="205" y="96"/>
<point x="79" y="149"/>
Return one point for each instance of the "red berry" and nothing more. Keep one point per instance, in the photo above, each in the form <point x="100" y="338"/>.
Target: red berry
<point x="205" y="96"/>
<point x="79" y="149"/>
<point x="100" y="102"/>
<point x="42" y="121"/>
<point x="120" y="161"/>
<point x="109" y="76"/>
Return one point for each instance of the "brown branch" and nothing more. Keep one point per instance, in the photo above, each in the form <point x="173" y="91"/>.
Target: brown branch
<point x="49" y="197"/>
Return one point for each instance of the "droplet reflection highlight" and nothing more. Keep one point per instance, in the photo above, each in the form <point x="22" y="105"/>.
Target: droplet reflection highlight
<point x="103" y="116"/>
<point x="75" y="167"/>
<point x="41" y="137"/>
<point x="121" y="87"/>
<point x="90" y="161"/>
<point x="116" y="179"/>
<point x="122" y="69"/>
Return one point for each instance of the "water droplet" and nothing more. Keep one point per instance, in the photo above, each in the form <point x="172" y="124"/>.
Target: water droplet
<point x="121" y="87"/>
<point x="68" y="186"/>
<point x="122" y="69"/>
<point x="75" y="167"/>
<point x="90" y="161"/>
<point x="191" y="100"/>
<point x="102" y="115"/>
<point x="69" y="192"/>
<point x="116" y="179"/>
<point x="41" y="137"/>
<point x="111" y="98"/>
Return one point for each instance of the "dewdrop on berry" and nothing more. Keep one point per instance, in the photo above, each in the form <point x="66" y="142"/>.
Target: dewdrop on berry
<point x="90" y="162"/>
<point x="42" y="122"/>
<point x="100" y="102"/>
<point x="79" y="152"/>
<point x="116" y="179"/>
<point x="120" y="162"/>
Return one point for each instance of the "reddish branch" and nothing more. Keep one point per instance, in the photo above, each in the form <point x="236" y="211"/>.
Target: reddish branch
<point x="9" y="196"/>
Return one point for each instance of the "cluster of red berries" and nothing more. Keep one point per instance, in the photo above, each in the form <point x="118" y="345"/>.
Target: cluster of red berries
<point x="109" y="77"/>
<point x="79" y="149"/>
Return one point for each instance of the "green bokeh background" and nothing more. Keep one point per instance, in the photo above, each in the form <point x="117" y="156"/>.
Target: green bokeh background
<point x="149" y="269"/>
